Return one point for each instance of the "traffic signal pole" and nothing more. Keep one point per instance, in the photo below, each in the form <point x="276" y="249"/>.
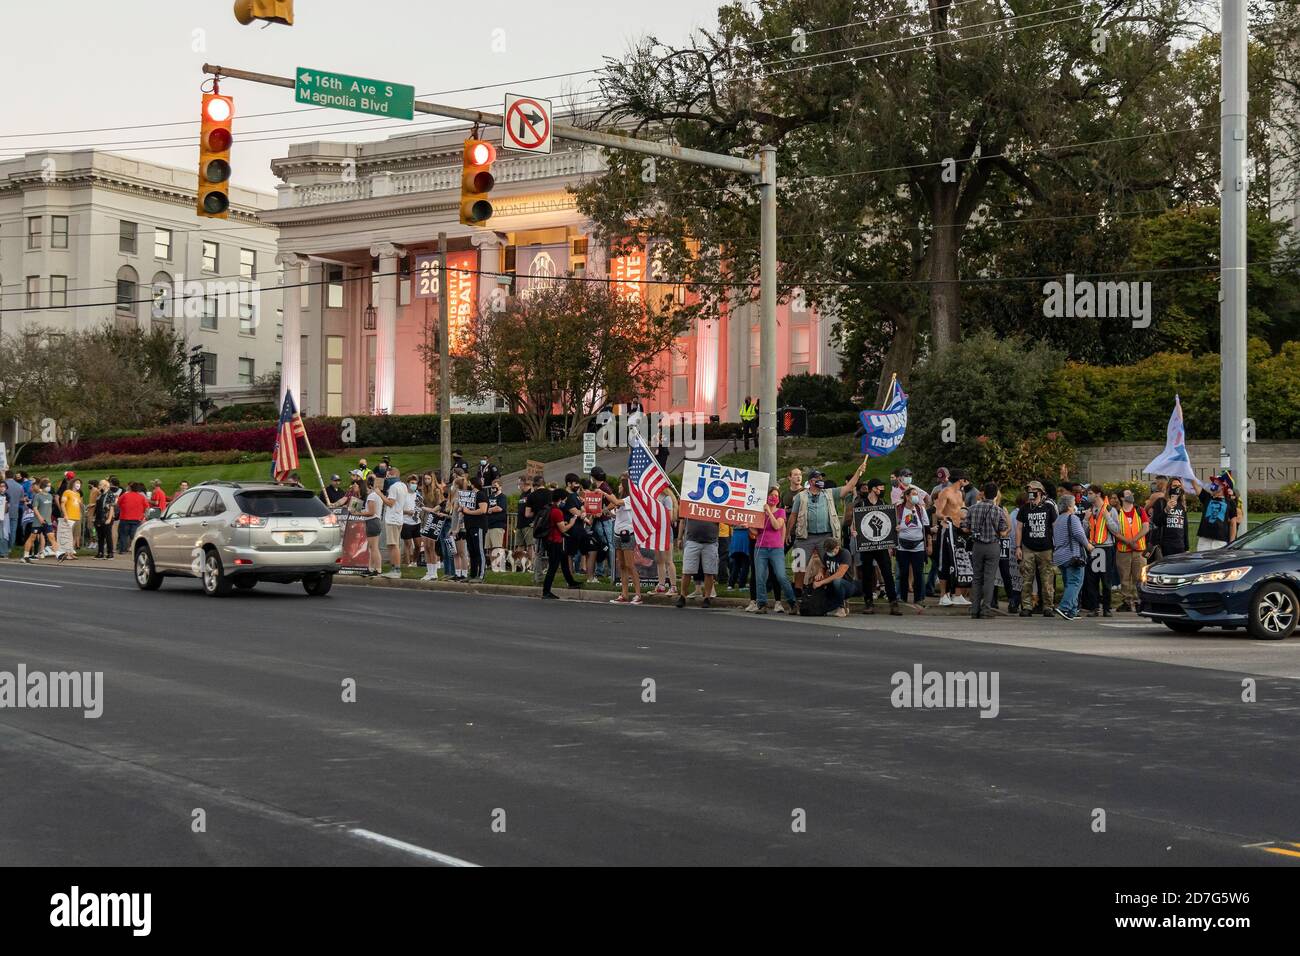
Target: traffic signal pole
<point x="1232" y="248"/>
<point x="761" y="168"/>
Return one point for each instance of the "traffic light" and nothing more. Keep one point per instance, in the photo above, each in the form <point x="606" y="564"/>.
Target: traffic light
<point x="272" y="11"/>
<point x="214" y="155"/>
<point x="476" y="182"/>
<point x="791" y="422"/>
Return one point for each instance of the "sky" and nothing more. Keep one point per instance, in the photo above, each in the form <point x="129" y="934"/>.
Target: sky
<point x="82" y="65"/>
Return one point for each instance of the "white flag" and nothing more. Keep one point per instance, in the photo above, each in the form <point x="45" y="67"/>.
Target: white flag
<point x="4" y="459"/>
<point x="1173" y="461"/>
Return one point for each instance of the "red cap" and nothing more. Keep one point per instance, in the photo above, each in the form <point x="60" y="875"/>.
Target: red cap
<point x="69" y="474"/>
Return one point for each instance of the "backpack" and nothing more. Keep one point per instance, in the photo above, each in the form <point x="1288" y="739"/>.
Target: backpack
<point x="542" y="525"/>
<point x="814" y="603"/>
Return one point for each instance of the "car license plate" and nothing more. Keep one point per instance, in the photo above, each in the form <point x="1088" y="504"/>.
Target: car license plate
<point x="293" y="537"/>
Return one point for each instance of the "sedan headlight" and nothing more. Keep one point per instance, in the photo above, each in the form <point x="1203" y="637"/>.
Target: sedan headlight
<point x="1143" y="574"/>
<point x="1220" y="577"/>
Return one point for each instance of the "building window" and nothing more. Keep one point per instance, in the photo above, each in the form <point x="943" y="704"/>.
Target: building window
<point x="210" y="257"/>
<point x="333" y="287"/>
<point x="333" y="375"/>
<point x="59" y="292"/>
<point x="33" y="292"/>
<point x="33" y="232"/>
<point x="246" y="373"/>
<point x="799" y="339"/>
<point x="209" y="318"/>
<point x="247" y="264"/>
<point x="209" y="373"/>
<point x="161" y="307"/>
<point x="162" y="244"/>
<point x="279" y="325"/>
<point x="127" y="285"/>
<point x="404" y="281"/>
<point x="681" y="377"/>
<point x="59" y="232"/>
<point x="126" y="237"/>
<point x="247" y="319"/>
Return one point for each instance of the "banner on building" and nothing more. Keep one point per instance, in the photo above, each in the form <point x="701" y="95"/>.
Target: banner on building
<point x="462" y="299"/>
<point x="537" y="267"/>
<point x="628" y="273"/>
<point x="875" y="526"/>
<point x="722" y="494"/>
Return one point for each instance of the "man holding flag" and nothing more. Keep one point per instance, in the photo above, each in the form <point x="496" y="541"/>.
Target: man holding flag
<point x="1174" y="460"/>
<point x="647" y="482"/>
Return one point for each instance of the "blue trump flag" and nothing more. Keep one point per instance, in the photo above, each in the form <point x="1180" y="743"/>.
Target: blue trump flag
<point x="883" y="429"/>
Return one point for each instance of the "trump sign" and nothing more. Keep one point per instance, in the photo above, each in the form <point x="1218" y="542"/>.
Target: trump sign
<point x="718" y="493"/>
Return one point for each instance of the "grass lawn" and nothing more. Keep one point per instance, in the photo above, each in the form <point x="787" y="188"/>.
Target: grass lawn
<point x="838" y="456"/>
<point x="509" y="458"/>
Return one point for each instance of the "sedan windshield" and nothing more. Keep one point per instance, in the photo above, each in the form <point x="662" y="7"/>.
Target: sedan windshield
<point x="1280" y="534"/>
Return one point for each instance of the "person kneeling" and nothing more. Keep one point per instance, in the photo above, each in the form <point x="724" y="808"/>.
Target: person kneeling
<point x="832" y="586"/>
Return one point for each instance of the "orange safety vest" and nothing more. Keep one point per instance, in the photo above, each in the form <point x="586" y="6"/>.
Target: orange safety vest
<point x="1129" y="523"/>
<point x="1098" y="529"/>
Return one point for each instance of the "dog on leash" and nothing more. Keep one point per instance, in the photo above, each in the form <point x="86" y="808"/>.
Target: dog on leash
<point x="519" y="561"/>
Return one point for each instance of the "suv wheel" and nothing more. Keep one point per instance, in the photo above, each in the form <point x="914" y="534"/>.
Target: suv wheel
<point x="215" y="582"/>
<point x="147" y="577"/>
<point x="1273" y="612"/>
<point x="318" y="585"/>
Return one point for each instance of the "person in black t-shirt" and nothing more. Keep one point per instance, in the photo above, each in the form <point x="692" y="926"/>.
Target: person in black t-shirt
<point x="476" y="528"/>
<point x="1217" y="514"/>
<point x="1034" y="550"/>
<point x="498" y="517"/>
<point x="1169" y="520"/>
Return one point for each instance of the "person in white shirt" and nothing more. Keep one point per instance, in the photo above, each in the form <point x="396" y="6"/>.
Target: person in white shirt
<point x="397" y="505"/>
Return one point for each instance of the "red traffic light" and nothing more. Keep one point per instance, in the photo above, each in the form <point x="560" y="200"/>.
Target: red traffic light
<point x="218" y="109"/>
<point x="482" y="153"/>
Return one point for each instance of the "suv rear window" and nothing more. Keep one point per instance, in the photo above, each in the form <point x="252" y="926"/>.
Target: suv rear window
<point x="281" y="504"/>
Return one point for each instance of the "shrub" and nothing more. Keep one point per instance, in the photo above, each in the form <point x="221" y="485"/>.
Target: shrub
<point x="185" y="459"/>
<point x="257" y="412"/>
<point x="817" y="393"/>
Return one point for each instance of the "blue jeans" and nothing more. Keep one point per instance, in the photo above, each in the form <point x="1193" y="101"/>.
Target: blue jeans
<point x="1069" y="602"/>
<point x="840" y="590"/>
<point x="771" y="560"/>
<point x="125" y="532"/>
<point x="605" y="532"/>
<point x="447" y="548"/>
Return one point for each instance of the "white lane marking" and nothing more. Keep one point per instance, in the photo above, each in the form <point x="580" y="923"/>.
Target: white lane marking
<point x="32" y="583"/>
<point x="411" y="848"/>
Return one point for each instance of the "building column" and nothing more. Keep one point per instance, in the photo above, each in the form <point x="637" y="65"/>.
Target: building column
<point x="491" y="258"/>
<point x="293" y="274"/>
<point x="386" y="328"/>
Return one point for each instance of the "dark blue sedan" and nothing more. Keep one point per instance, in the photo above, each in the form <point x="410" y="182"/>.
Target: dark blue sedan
<point x="1253" y="583"/>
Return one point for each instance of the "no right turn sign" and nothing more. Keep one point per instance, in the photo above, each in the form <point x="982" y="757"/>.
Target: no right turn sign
<point x="527" y="124"/>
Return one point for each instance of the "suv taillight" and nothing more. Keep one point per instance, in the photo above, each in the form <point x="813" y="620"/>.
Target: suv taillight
<point x="330" y="520"/>
<point x="250" y="521"/>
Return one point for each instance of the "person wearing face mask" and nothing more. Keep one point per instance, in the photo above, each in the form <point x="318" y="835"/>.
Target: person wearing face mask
<point x="1034" y="550"/>
<point x="815" y="516"/>
<point x="413" y="553"/>
<point x="70" y="523"/>
<point x="1101" y="525"/>
<point x="769" y="556"/>
<point x="913" y="545"/>
<point x="498" y="516"/>
<point x="1169" y="520"/>
<point x="1218" y="512"/>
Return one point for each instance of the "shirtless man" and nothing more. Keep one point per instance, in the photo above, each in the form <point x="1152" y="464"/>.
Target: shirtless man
<point x="947" y="515"/>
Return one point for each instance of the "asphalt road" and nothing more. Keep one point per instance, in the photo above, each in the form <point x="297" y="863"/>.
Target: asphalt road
<point x="474" y="709"/>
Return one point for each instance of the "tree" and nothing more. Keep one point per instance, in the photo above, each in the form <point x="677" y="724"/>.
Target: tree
<point x="909" y="134"/>
<point x="817" y="393"/>
<point x="566" y="347"/>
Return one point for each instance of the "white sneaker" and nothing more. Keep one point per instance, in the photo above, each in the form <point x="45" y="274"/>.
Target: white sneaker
<point x="429" y="576"/>
<point x="840" y="612"/>
<point x="752" y="607"/>
<point x="48" y="552"/>
<point x="394" y="574"/>
<point x="960" y="601"/>
<point x="945" y="601"/>
<point x="780" y="607"/>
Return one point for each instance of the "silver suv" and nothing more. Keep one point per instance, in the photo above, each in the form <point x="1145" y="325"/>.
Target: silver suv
<point x="234" y="534"/>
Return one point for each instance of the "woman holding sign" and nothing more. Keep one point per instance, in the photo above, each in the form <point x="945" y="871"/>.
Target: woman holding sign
<point x="769" y="555"/>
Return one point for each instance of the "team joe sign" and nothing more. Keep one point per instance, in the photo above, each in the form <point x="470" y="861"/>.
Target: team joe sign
<point x="713" y="492"/>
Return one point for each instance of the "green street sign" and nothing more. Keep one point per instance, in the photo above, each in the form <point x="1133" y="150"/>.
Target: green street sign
<point x="342" y="92"/>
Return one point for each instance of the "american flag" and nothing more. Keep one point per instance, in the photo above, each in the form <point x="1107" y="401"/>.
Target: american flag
<point x="284" y="459"/>
<point x="651" y="518"/>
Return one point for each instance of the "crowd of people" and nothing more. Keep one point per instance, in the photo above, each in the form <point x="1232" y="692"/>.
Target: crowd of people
<point x="957" y="542"/>
<point x="45" y="520"/>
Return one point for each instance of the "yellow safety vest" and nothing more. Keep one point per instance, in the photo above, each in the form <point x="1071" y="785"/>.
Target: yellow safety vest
<point x="1098" y="530"/>
<point x="1130" y="523"/>
<point x="748" y="412"/>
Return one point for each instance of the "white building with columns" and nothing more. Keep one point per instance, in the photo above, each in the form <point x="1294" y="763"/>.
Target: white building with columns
<point x="88" y="237"/>
<point x="354" y="220"/>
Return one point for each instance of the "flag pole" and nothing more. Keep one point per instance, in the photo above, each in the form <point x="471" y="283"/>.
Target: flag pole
<point x="314" y="464"/>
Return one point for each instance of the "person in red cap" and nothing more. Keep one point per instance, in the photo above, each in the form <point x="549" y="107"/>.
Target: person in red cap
<point x="158" y="497"/>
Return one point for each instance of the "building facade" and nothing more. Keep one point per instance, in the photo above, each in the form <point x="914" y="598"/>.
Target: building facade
<point x="353" y="220"/>
<point x="89" y="237"/>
